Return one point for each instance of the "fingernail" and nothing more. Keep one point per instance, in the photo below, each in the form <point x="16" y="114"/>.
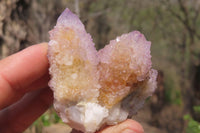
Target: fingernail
<point x="128" y="131"/>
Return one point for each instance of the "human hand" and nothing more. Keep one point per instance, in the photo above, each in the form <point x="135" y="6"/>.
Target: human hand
<point x="24" y="92"/>
<point x="25" y="95"/>
<point x="128" y="126"/>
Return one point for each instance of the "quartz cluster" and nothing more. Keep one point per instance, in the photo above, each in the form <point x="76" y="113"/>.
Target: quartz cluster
<point x="96" y="88"/>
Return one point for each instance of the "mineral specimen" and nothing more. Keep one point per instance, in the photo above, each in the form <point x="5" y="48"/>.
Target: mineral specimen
<point x="91" y="88"/>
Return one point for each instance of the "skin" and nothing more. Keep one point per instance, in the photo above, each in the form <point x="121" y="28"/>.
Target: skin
<point x="25" y="95"/>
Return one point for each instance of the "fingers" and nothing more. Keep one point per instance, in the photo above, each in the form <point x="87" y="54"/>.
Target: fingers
<point x="128" y="126"/>
<point x="19" y="71"/>
<point x="17" y="117"/>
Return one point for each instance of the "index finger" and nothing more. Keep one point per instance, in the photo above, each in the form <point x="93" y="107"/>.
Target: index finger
<point x="20" y="70"/>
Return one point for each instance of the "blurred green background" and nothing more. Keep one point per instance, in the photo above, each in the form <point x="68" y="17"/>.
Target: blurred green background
<point x="173" y="27"/>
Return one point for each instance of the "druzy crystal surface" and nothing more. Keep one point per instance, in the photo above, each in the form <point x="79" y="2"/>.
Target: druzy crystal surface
<point x="96" y="88"/>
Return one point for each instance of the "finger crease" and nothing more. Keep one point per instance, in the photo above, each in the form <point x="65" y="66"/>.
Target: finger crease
<point x="13" y="88"/>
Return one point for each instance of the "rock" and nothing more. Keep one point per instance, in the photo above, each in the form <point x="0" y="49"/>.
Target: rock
<point x="91" y="88"/>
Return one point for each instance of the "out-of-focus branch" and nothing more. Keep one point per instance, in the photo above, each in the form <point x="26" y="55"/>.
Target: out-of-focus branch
<point x="194" y="21"/>
<point x="176" y="15"/>
<point x="187" y="20"/>
<point x="184" y="10"/>
<point x="196" y="15"/>
<point x="77" y="9"/>
<point x="96" y="14"/>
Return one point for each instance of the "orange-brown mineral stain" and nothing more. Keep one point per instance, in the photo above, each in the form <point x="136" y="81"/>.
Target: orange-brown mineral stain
<point x="111" y="93"/>
<point x="117" y="79"/>
<point x="115" y="86"/>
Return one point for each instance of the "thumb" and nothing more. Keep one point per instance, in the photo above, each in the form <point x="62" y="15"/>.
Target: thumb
<point x="128" y="126"/>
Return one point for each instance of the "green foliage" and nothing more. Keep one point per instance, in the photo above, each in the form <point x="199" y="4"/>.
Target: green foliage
<point x="57" y="118"/>
<point x="172" y="93"/>
<point x="173" y="96"/>
<point x="48" y="118"/>
<point x="192" y="125"/>
<point x="197" y="109"/>
<point x="45" y="120"/>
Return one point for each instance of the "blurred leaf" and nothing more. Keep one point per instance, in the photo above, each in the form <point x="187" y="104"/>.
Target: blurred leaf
<point x="196" y="109"/>
<point x="192" y="126"/>
<point x="45" y="120"/>
<point x="187" y="117"/>
<point x="57" y="118"/>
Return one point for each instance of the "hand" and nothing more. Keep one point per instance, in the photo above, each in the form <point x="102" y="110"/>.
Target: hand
<point x="128" y="126"/>
<point x="25" y="95"/>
